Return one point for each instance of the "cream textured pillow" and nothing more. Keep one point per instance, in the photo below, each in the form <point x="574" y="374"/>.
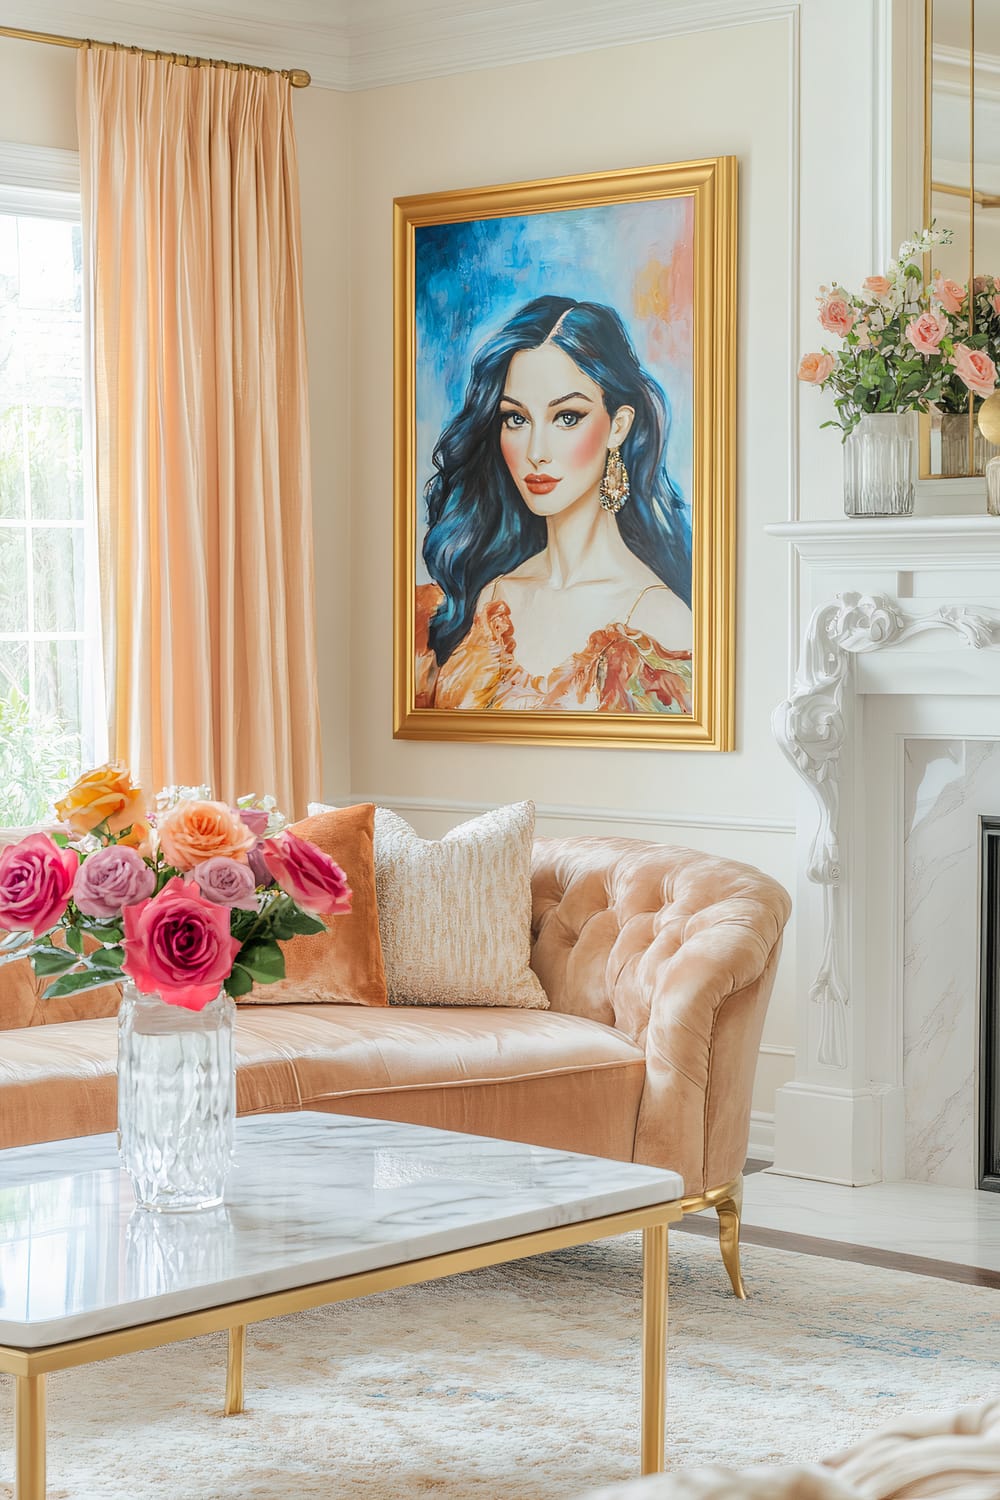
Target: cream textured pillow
<point x="455" y="913"/>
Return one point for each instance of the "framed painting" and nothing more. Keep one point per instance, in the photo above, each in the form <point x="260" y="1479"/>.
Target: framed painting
<point x="565" y="405"/>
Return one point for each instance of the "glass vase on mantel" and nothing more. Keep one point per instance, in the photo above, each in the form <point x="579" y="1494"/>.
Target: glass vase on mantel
<point x="176" y="1100"/>
<point x="957" y="437"/>
<point x="878" y="465"/>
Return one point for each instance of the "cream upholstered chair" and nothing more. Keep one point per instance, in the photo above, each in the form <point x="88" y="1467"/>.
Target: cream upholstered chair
<point x="913" y="1458"/>
<point x="678" y="950"/>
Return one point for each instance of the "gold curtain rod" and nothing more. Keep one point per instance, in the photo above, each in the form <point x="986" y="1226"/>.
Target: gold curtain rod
<point x="297" y="77"/>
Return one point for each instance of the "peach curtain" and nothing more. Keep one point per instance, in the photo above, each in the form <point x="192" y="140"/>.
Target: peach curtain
<point x="192" y="263"/>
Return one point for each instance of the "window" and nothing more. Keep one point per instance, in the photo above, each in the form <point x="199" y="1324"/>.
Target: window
<point x="47" y="542"/>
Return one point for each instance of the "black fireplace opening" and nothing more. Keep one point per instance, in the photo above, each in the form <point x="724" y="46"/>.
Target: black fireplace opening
<point x="989" y="1006"/>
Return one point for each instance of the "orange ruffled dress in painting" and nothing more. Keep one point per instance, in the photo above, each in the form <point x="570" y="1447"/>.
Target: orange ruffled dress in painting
<point x="620" y="670"/>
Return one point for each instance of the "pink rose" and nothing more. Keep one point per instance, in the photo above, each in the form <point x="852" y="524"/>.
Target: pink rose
<point x="227" y="882"/>
<point x="837" y="315"/>
<point x="878" y="286"/>
<point x="110" y="879"/>
<point x="255" y="819"/>
<point x="926" y="332"/>
<point x="308" y="875"/>
<point x="36" y="880"/>
<point x="178" y="945"/>
<point x="995" y="304"/>
<point x="950" y="294"/>
<point x="814" y="368"/>
<point x="974" y="369"/>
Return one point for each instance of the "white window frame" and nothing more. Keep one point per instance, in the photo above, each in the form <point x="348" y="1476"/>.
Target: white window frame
<point x="43" y="182"/>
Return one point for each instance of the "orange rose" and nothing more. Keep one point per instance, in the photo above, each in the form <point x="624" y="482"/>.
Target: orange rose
<point x="814" y="368"/>
<point x="195" y="831"/>
<point x="105" y="795"/>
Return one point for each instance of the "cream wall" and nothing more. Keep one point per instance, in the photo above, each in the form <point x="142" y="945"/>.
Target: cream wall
<point x="681" y="97"/>
<point x="37" y="95"/>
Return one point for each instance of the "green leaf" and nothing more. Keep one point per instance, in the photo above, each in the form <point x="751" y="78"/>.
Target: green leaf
<point x="53" y="961"/>
<point x="104" y="932"/>
<point x="75" y="984"/>
<point x="304" y="921"/>
<point x="60" y="840"/>
<point x="263" y="961"/>
<point x="74" y="939"/>
<point x="238" y="983"/>
<point x="108" y="958"/>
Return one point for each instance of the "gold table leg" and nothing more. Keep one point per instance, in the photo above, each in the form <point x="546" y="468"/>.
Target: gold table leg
<point x="655" y="1264"/>
<point x="234" y="1370"/>
<point x="29" y="1423"/>
<point x="729" y="1211"/>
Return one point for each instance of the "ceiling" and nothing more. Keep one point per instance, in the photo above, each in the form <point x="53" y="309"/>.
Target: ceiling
<point x="355" y="44"/>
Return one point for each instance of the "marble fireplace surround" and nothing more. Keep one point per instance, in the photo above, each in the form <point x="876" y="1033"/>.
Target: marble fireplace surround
<point x="891" y="725"/>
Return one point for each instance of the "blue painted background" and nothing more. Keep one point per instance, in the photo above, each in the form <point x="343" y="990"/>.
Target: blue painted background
<point x="471" y="277"/>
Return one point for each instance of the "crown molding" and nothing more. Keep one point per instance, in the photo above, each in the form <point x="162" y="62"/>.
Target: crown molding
<point x="299" y="34"/>
<point x="458" y="38"/>
<point x="349" y="46"/>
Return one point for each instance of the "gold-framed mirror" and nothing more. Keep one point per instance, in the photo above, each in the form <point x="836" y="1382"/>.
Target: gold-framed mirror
<point x="962" y="193"/>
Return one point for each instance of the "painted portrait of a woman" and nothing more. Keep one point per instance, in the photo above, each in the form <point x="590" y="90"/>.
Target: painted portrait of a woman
<point x="557" y="545"/>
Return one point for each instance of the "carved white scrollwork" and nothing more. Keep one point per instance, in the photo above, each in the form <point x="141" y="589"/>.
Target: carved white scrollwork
<point x="811" y="727"/>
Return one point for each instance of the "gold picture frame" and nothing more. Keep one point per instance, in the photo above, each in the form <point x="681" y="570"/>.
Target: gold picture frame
<point x="707" y="191"/>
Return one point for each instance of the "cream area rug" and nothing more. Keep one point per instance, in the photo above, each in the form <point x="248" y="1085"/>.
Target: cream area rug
<point x="522" y="1382"/>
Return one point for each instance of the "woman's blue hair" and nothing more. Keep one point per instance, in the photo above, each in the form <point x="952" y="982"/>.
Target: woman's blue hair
<point x="479" y="527"/>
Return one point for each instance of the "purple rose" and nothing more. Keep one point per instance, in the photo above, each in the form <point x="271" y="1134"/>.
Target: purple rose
<point x="258" y="865"/>
<point x="111" y="879"/>
<point x="227" y="882"/>
<point x="255" y="819"/>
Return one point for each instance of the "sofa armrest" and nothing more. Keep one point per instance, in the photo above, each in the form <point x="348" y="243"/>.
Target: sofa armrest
<point x="678" y="950"/>
<point x="21" y="1002"/>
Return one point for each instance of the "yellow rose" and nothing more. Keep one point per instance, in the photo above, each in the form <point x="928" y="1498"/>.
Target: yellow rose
<point x="195" y="831"/>
<point x="105" y="795"/>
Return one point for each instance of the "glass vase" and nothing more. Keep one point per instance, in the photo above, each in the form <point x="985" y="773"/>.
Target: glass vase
<point x="993" y="487"/>
<point x="955" y="444"/>
<point x="176" y="1100"/>
<point x="878" y="465"/>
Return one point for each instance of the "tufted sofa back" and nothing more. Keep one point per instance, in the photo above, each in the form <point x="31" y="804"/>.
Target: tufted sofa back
<point x="678" y="950"/>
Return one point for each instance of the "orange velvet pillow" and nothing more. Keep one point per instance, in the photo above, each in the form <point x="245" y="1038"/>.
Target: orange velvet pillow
<point x="342" y="966"/>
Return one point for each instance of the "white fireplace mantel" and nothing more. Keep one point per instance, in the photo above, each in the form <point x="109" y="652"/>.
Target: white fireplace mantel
<point x="901" y="639"/>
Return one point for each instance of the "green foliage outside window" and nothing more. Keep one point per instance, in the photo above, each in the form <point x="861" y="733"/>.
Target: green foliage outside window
<point x="38" y="757"/>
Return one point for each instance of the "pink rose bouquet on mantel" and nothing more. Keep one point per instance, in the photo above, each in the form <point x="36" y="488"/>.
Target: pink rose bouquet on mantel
<point x="905" y="344"/>
<point x="189" y="898"/>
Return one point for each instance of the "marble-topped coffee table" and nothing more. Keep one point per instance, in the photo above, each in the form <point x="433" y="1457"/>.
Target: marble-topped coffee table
<point x="319" y="1208"/>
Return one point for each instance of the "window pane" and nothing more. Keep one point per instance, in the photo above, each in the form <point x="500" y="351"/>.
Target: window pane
<point x="49" y="263"/>
<point x="58" y="562"/>
<point x="57" y="681"/>
<point x="40" y="481"/>
<point x="11" y="462"/>
<point x="13" y="573"/>
<point x="55" y="438"/>
<point x="13" y="668"/>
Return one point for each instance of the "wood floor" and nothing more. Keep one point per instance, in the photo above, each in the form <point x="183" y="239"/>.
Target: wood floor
<point x="865" y="1255"/>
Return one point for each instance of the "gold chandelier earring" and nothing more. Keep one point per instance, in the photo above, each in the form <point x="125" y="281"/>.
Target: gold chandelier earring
<point x="614" y="485"/>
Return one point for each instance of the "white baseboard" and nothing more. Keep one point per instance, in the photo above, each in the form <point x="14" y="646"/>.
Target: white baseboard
<point x="761" y="1146"/>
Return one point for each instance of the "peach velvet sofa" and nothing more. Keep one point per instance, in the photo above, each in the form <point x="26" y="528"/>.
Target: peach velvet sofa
<point x="658" y="963"/>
